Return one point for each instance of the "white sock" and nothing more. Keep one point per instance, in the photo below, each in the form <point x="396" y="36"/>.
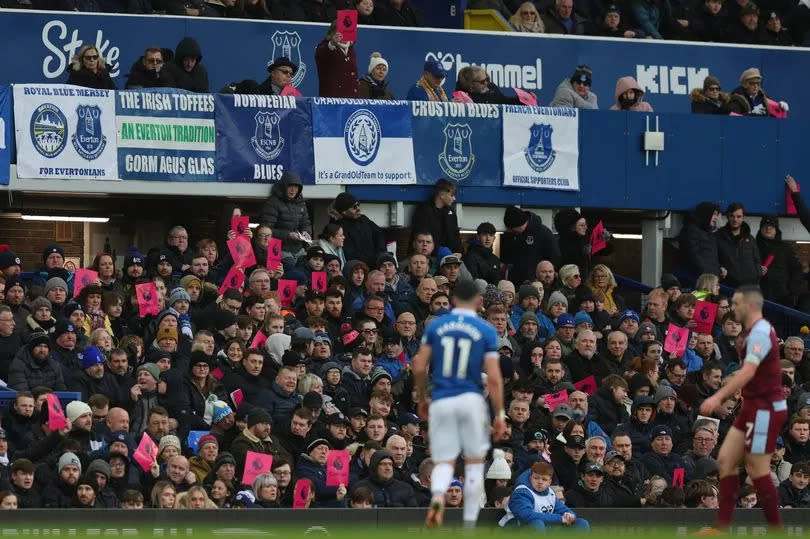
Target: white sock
<point x="440" y="479"/>
<point x="473" y="486"/>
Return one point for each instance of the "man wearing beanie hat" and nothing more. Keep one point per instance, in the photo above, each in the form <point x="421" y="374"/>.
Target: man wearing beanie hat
<point x="388" y="491"/>
<point x="662" y="460"/>
<point x="312" y="465"/>
<point x="166" y="339"/>
<point x="666" y="401"/>
<point x="95" y="379"/>
<point x="179" y="294"/>
<point x="710" y="99"/>
<point x="529" y="302"/>
<point x="527" y="242"/>
<point x="59" y="494"/>
<point x="257" y="438"/>
<point x="53" y="256"/>
<point x="10" y="263"/>
<point x="364" y="239"/>
<point x="575" y="91"/>
<point x="481" y="262"/>
<point x="87" y="494"/>
<point x="56" y="290"/>
<point x="202" y="463"/>
<point x="224" y="326"/>
<point x="34" y="366"/>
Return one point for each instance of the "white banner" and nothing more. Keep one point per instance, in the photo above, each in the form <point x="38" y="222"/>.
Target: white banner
<point x="65" y="132"/>
<point x="362" y="142"/>
<point x="541" y="147"/>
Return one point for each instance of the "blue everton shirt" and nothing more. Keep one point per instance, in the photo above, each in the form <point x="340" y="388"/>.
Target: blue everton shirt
<point x="459" y="342"/>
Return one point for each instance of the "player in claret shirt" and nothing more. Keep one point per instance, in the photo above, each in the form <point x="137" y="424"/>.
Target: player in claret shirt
<point x="759" y="423"/>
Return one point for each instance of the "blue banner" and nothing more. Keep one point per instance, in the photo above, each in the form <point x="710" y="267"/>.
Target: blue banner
<point x="457" y="141"/>
<point x="362" y="142"/>
<point x="666" y="71"/>
<point x="6" y="135"/>
<point x="262" y="136"/>
<point x="165" y="135"/>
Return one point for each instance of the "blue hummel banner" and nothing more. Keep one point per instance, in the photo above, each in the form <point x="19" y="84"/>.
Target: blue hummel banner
<point x="262" y="136"/>
<point x="362" y="142"/>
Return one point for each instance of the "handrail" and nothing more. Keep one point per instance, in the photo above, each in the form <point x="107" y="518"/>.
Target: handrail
<point x="770" y="306"/>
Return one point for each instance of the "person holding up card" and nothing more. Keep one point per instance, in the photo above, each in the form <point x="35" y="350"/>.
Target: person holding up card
<point x="661" y="460"/>
<point x="285" y="212"/>
<point x="782" y="272"/>
<point x="312" y="465"/>
<point x="336" y="61"/>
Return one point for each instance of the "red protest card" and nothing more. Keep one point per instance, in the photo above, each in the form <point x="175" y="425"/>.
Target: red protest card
<point x="319" y="281"/>
<point x="218" y="374"/>
<point x="83" y="278"/>
<point x="768" y="261"/>
<point x="677" y="340"/>
<point x="56" y="416"/>
<point x="789" y="205"/>
<point x="290" y="90"/>
<point x="286" y="289"/>
<point x="525" y="97"/>
<point x="146" y="453"/>
<point x="347" y="24"/>
<point x="147" y="295"/>
<point x="241" y="251"/>
<point x="273" y="254"/>
<point x="337" y="468"/>
<point x="462" y="97"/>
<point x="597" y="241"/>
<point x="237" y="397"/>
<point x="705" y="313"/>
<point x="234" y="279"/>
<point x="588" y="385"/>
<point x="255" y="465"/>
<point x="677" y="477"/>
<point x="553" y="399"/>
<point x="240" y="224"/>
<point x="301" y="494"/>
<point x="259" y="340"/>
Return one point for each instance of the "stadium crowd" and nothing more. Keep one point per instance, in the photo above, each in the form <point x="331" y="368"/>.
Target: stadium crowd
<point x="600" y="410"/>
<point x="771" y="22"/>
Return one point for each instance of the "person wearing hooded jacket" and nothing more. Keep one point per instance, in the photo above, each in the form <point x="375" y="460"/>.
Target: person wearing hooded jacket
<point x="630" y="96"/>
<point x="285" y="212"/>
<point x="186" y="68"/>
<point x="737" y="249"/>
<point x="640" y="426"/>
<point x="782" y="282"/>
<point x="710" y="99"/>
<point x="575" y="92"/>
<point x="535" y="507"/>
<point x="698" y="243"/>
<point x="387" y="491"/>
<point x="528" y="242"/>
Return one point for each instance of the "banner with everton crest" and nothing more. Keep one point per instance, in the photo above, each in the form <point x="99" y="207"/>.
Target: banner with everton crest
<point x="165" y="134"/>
<point x="362" y="142"/>
<point x="262" y="136"/>
<point x="457" y="141"/>
<point x="541" y="147"/>
<point x="65" y="132"/>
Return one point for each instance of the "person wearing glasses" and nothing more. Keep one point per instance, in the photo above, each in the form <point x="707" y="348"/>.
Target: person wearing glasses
<point x="575" y="92"/>
<point x="474" y="80"/>
<point x="710" y="99"/>
<point x="281" y="72"/>
<point x="89" y="69"/>
<point x="148" y="71"/>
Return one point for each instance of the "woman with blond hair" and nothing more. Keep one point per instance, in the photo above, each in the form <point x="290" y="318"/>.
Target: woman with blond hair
<point x="88" y="69"/>
<point x="527" y="19"/>
<point x="194" y="498"/>
<point x="601" y="278"/>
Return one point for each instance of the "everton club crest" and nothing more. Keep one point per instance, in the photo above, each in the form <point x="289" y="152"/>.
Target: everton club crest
<point x="457" y="157"/>
<point x="540" y="154"/>
<point x="88" y="140"/>
<point x="267" y="140"/>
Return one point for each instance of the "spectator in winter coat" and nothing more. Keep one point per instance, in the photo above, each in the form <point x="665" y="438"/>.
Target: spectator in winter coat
<point x="782" y="279"/>
<point x="661" y="460"/>
<point x="399" y="13"/>
<point x="281" y="71"/>
<point x="746" y="29"/>
<point x="698" y="243"/>
<point x="88" y="69"/>
<point x="189" y="73"/>
<point x="285" y="212"/>
<point x="613" y="25"/>
<point x="630" y="96"/>
<point x="373" y="84"/>
<point x="751" y="100"/>
<point x="737" y="249"/>
<point x="312" y="465"/>
<point x="256" y="437"/>
<point x="474" y="80"/>
<point x="606" y="406"/>
<point x="794" y="491"/>
<point x="33" y="366"/>
<point x="709" y="99"/>
<point x="561" y="19"/>
<point x="640" y="426"/>
<point x="575" y="92"/>
<point x="387" y="491"/>
<point x="480" y="260"/>
<point x="710" y="23"/>
<point x="775" y="33"/>
<point x="429" y="86"/>
<point x="528" y="242"/>
<point x="149" y="72"/>
<point x="364" y="239"/>
<point x="337" y="66"/>
<point x="526" y="19"/>
<point x="438" y="217"/>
